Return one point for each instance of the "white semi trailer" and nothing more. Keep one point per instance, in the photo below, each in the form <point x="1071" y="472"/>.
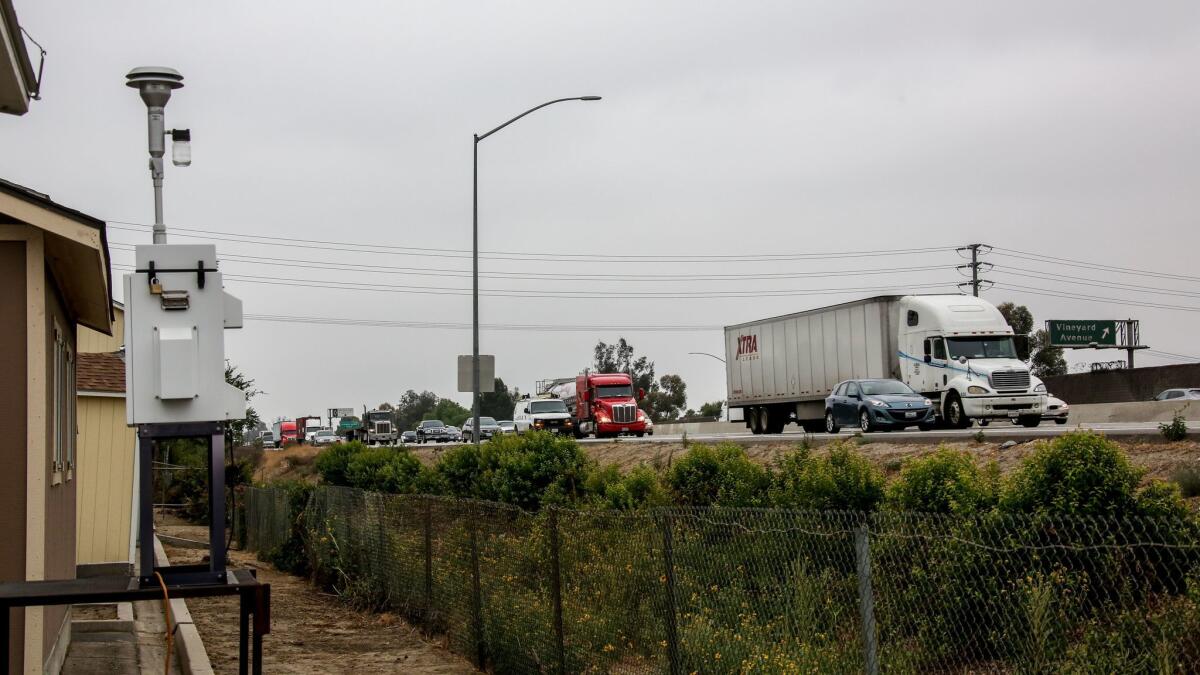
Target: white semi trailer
<point x="955" y="349"/>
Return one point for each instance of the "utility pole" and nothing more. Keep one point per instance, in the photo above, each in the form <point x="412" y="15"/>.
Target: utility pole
<point x="975" y="267"/>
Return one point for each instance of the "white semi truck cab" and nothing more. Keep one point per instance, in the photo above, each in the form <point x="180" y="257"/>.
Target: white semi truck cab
<point x="957" y="350"/>
<point x="961" y="350"/>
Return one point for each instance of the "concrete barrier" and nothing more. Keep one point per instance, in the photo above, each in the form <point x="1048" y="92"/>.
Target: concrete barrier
<point x="1140" y="411"/>
<point x="1088" y="413"/>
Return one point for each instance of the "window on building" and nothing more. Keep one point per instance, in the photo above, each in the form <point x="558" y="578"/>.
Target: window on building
<point x="63" y="441"/>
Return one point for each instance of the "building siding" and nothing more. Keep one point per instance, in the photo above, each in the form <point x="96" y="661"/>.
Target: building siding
<point x="60" y="499"/>
<point x="105" y="480"/>
<point x="13" y="443"/>
<point x="95" y="342"/>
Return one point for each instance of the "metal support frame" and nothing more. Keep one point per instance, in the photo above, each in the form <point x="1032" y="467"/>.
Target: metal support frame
<point x="254" y="605"/>
<point x="148" y="434"/>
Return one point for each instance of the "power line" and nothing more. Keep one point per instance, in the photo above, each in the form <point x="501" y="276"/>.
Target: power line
<point x="380" y="323"/>
<point x="1038" y="257"/>
<point x="379" y="248"/>
<point x="542" y="293"/>
<point x="1098" y="283"/>
<point x="1182" y="357"/>
<point x="1077" y="296"/>
<point x="546" y="276"/>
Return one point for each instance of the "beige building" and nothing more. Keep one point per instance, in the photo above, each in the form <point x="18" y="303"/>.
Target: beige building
<point x="107" y="452"/>
<point x="54" y="277"/>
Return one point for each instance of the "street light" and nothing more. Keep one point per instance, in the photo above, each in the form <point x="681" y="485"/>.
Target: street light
<point x="475" y="261"/>
<point x="155" y="85"/>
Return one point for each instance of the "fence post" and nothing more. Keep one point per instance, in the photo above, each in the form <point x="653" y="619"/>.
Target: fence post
<point x="866" y="601"/>
<point x="428" y="564"/>
<point x="476" y="598"/>
<point x="556" y="591"/>
<point x="669" y="564"/>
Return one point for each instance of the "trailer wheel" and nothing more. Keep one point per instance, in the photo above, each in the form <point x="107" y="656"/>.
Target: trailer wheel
<point x="955" y="416"/>
<point x="756" y="425"/>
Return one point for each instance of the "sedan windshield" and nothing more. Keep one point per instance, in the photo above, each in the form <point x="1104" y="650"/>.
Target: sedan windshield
<point x="992" y="347"/>
<point x="487" y="421"/>
<point x="614" y="391"/>
<point x="551" y="406"/>
<point x="877" y="387"/>
<point x="432" y="423"/>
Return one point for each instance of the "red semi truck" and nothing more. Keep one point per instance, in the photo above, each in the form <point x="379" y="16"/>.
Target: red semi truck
<point x="603" y="404"/>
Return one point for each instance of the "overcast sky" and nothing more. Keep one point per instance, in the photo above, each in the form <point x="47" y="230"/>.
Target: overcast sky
<point x="1065" y="129"/>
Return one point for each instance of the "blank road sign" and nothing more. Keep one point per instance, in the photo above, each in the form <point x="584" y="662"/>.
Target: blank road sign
<point x="1082" y="333"/>
<point x="487" y="373"/>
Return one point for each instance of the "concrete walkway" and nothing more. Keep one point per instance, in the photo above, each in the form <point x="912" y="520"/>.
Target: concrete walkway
<point x="131" y="644"/>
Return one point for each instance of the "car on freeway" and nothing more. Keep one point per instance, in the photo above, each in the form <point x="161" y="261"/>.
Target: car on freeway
<point x="1056" y="409"/>
<point x="310" y="434"/>
<point x="649" y="426"/>
<point x="432" y="430"/>
<point x="408" y="437"/>
<point x="325" y="437"/>
<point x="1178" y="394"/>
<point x="488" y="427"/>
<point x="874" y="405"/>
<point x="268" y="439"/>
<point x="507" y="426"/>
<point x="454" y="433"/>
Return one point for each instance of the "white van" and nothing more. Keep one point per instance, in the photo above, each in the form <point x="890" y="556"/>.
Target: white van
<point x="548" y="414"/>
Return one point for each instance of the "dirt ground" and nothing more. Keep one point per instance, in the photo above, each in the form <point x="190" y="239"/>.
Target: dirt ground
<point x="1160" y="458"/>
<point x="311" y="632"/>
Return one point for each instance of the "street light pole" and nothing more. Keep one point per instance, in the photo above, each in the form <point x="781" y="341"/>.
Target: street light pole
<point x="475" y="260"/>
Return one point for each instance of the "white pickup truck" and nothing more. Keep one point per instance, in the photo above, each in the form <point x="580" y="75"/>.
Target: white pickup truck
<point x="955" y="349"/>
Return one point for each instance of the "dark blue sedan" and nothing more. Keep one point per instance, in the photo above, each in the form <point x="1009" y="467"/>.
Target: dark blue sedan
<point x="876" y="405"/>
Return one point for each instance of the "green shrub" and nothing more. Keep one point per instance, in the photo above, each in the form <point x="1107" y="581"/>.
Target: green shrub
<point x="639" y="488"/>
<point x="1188" y="479"/>
<point x="1176" y="429"/>
<point x="1085" y="474"/>
<point x="948" y="481"/>
<point x="525" y="470"/>
<point x="842" y="480"/>
<point x="332" y="461"/>
<point x="718" y="475"/>
<point x="292" y="556"/>
<point x="383" y="470"/>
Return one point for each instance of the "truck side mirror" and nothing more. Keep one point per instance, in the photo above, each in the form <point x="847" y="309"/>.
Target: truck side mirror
<point x="526" y="410"/>
<point x="1021" y="342"/>
<point x="928" y="358"/>
<point x="641" y="394"/>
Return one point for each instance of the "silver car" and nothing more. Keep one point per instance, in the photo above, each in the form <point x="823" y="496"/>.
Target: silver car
<point x="1178" y="394"/>
<point x="324" y="437"/>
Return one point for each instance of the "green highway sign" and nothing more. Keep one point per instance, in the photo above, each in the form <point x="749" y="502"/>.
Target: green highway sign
<point x="1082" y="333"/>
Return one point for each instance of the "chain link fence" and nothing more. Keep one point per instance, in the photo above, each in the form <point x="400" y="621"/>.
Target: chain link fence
<point x="681" y="590"/>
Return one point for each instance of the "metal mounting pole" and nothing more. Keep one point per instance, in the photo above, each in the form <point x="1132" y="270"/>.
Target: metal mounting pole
<point x="475" y="297"/>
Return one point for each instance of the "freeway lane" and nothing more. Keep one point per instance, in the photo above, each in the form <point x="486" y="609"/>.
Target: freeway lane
<point x="992" y="431"/>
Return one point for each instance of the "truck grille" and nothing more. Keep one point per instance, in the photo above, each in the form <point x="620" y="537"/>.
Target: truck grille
<point x="624" y="414"/>
<point x="1011" y="379"/>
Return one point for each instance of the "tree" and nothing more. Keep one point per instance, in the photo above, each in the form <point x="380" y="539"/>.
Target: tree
<point x="619" y="358"/>
<point x="449" y="412"/>
<point x="712" y="409"/>
<point x="667" y="398"/>
<point x="1044" y="360"/>
<point x="499" y="403"/>
<point x="413" y="408"/>
<point x="235" y="430"/>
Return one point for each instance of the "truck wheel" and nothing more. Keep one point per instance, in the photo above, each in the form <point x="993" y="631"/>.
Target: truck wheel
<point x="864" y="422"/>
<point x="755" y="422"/>
<point x="831" y="425"/>
<point x="1031" y="421"/>
<point x="956" y="416"/>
